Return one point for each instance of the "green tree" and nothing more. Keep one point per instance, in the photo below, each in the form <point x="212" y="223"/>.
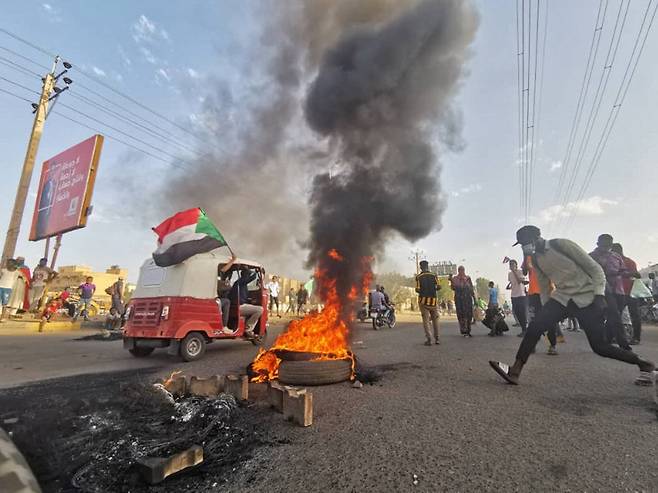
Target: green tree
<point x="446" y="293"/>
<point x="482" y="288"/>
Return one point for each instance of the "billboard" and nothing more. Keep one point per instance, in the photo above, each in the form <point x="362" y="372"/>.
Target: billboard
<point x="443" y="268"/>
<point x="65" y="189"/>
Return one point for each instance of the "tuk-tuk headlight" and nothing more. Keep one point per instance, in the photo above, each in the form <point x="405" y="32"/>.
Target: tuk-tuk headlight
<point x="165" y="312"/>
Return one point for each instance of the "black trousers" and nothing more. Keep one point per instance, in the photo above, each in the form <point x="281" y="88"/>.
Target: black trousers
<point x="591" y="320"/>
<point x="614" y="328"/>
<point x="535" y="306"/>
<point x="634" y="312"/>
<point x="520" y="309"/>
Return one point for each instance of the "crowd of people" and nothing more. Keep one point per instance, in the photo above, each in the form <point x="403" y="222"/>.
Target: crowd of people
<point x="22" y="290"/>
<point x="296" y="301"/>
<point x="556" y="282"/>
<point x="566" y="282"/>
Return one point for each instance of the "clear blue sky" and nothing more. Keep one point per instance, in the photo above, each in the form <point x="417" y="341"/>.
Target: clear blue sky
<point x="166" y="57"/>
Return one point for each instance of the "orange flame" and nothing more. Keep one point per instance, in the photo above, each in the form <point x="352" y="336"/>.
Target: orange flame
<point x="325" y="333"/>
<point x="170" y="380"/>
<point x="333" y="253"/>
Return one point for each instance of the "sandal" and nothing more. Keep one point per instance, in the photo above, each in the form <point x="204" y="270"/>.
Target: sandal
<point x="503" y="370"/>
<point x="646" y="378"/>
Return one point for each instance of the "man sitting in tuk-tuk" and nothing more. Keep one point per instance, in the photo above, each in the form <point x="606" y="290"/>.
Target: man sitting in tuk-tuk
<point x="238" y="294"/>
<point x="223" y="295"/>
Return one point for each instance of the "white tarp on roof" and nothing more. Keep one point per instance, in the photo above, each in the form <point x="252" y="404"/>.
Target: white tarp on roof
<point x="196" y="277"/>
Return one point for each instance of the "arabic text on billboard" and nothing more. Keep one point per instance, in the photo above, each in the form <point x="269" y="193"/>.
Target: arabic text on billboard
<point x="65" y="189"/>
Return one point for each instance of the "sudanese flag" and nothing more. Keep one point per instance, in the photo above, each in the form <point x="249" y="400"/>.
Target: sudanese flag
<point x="185" y="234"/>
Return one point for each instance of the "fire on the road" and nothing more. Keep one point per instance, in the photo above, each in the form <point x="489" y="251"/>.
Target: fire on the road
<point x="325" y="333"/>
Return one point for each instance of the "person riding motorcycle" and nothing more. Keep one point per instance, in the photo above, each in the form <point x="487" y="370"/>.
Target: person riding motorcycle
<point x="388" y="306"/>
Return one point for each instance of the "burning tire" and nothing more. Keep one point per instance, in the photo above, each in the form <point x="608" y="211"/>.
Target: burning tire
<point x="141" y="352"/>
<point x="193" y="346"/>
<point x="315" y="372"/>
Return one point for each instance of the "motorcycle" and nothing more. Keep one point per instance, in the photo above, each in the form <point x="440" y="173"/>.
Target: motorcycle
<point x="383" y="317"/>
<point x="362" y="313"/>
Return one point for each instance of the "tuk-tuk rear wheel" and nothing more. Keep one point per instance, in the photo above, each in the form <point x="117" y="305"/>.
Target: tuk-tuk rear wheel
<point x="141" y="352"/>
<point x="193" y="346"/>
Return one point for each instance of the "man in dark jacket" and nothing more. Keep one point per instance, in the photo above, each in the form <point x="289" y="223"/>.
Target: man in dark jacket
<point x="427" y="287"/>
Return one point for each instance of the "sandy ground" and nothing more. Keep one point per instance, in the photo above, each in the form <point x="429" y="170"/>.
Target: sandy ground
<point x="577" y="423"/>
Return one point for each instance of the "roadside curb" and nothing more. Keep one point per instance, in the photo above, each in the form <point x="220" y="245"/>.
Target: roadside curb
<point x="15" y="473"/>
<point x="24" y="326"/>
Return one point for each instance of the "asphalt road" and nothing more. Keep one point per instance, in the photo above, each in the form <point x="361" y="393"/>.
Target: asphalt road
<point x="576" y="422"/>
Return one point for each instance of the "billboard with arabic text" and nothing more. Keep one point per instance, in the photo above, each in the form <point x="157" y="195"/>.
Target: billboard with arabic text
<point x="65" y="190"/>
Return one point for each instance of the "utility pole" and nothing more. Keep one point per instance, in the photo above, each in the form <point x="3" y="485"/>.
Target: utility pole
<point x="416" y="255"/>
<point x="40" y="115"/>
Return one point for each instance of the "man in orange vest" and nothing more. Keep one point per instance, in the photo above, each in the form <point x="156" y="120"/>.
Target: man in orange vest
<point x="553" y="333"/>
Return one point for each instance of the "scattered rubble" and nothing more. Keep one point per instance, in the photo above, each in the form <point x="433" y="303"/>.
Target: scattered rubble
<point x="96" y="433"/>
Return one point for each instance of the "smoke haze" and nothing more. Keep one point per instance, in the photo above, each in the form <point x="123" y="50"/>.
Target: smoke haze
<point x="374" y="80"/>
<point x="379" y="94"/>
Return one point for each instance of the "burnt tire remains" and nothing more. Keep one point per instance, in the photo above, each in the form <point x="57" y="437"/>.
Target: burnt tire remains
<point x="315" y="372"/>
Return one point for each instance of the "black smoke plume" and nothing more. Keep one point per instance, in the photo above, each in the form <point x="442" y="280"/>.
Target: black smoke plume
<point x="381" y="96"/>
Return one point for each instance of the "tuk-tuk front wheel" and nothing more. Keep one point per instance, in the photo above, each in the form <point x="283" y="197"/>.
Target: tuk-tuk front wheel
<point x="193" y="346"/>
<point x="141" y="352"/>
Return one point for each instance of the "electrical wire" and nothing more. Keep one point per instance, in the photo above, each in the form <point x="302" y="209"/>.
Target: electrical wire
<point x="112" y="137"/>
<point x="584" y="88"/>
<point x="598" y="98"/>
<point x="15" y="95"/>
<point x="617" y="104"/>
<point x="27" y="59"/>
<point x="97" y="80"/>
<point x="105" y="134"/>
<point x="167" y="139"/>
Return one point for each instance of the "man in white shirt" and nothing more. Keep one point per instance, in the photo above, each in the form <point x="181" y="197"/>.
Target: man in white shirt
<point x="273" y="287"/>
<point x="8" y="276"/>
<point x="517" y="283"/>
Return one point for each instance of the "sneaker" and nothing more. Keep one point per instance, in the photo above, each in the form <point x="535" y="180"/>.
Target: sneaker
<point x="561" y="339"/>
<point x="520" y="334"/>
<point x="437" y="342"/>
<point x="552" y="351"/>
<point x="428" y="343"/>
<point x="635" y="342"/>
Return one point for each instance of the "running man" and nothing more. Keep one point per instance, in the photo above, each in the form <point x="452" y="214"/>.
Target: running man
<point x="579" y="291"/>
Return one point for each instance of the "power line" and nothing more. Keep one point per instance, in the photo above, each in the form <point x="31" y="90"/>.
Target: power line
<point x="534" y="106"/>
<point x="19" y="85"/>
<point x="131" y="122"/>
<point x="15" y="95"/>
<point x="165" y="133"/>
<point x="105" y="134"/>
<point x="116" y="91"/>
<point x="112" y="137"/>
<point x="165" y="138"/>
<point x="12" y="65"/>
<point x="519" y="82"/>
<point x="535" y="123"/>
<point x="584" y="88"/>
<point x="32" y="45"/>
<point x="172" y="156"/>
<point x="27" y="59"/>
<point x="598" y="98"/>
<point x="618" y="102"/>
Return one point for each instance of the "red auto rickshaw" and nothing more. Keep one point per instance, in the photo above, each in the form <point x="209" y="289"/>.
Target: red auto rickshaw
<point x="179" y="308"/>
